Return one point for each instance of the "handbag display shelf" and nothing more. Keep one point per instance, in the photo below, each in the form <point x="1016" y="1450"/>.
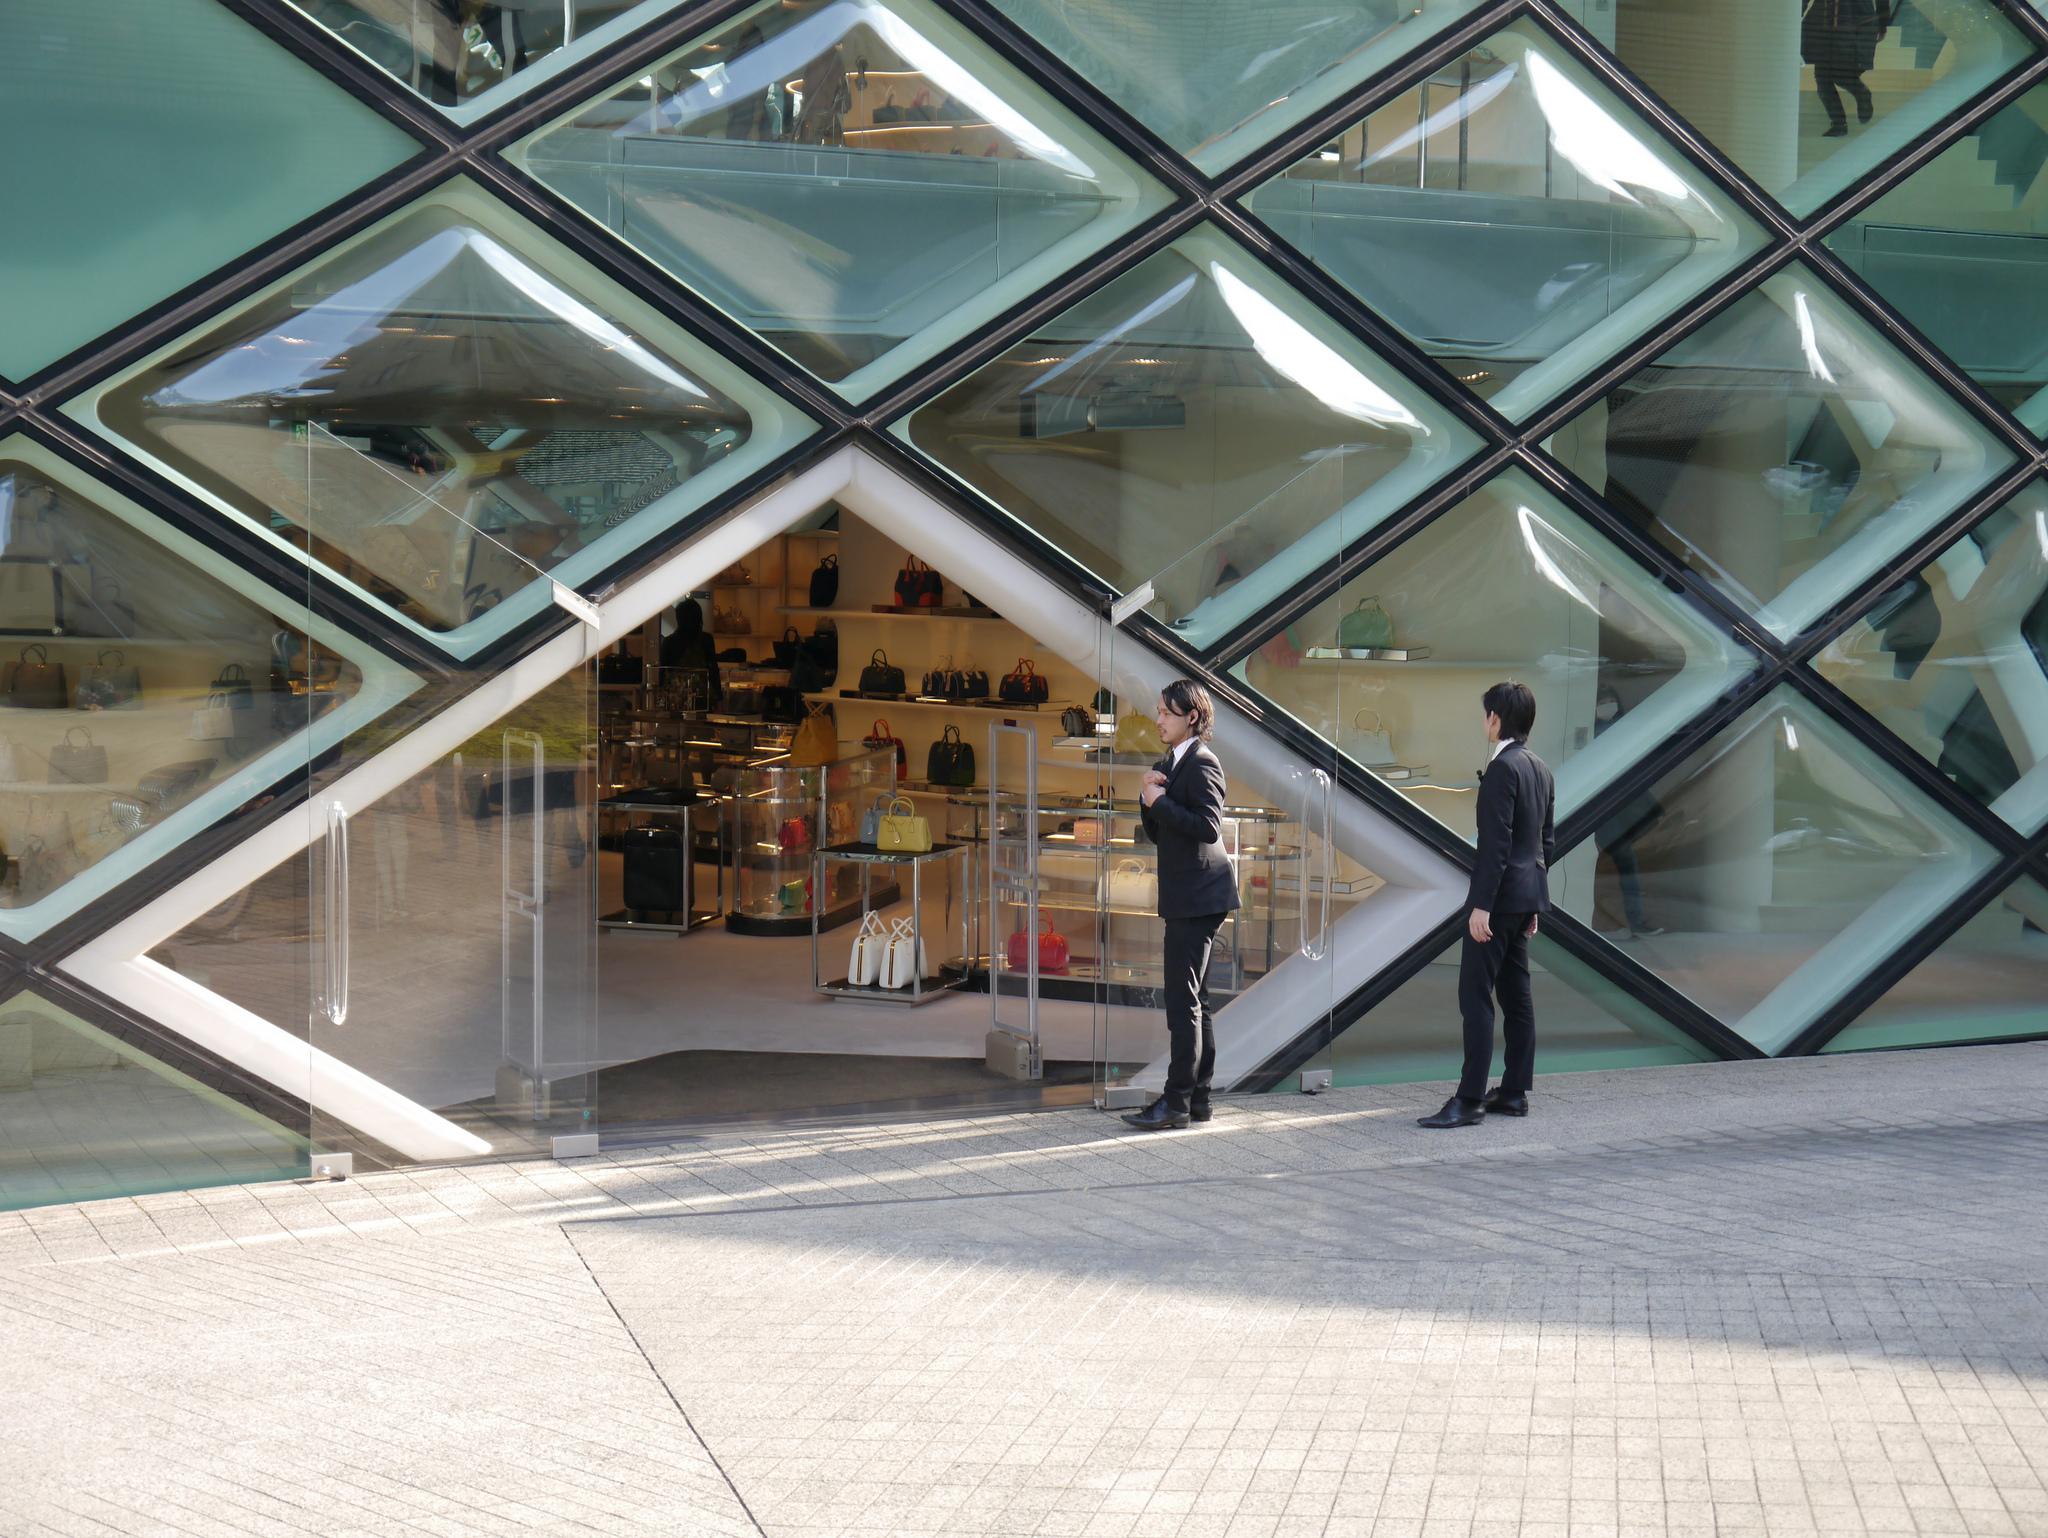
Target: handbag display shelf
<point x="767" y="869"/>
<point x="666" y="869"/>
<point x="832" y="972"/>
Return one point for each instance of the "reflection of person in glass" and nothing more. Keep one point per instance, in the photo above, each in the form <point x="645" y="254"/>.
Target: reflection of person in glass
<point x="1616" y="836"/>
<point x="1839" y="39"/>
<point x="1510" y="889"/>
<point x="1182" y="808"/>
<point x="687" y="646"/>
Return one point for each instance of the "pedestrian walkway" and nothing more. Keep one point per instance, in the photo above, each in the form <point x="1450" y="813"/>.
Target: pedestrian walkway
<point x="1805" y="1296"/>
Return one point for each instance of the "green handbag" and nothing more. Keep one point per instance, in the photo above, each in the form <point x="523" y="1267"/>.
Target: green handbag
<point x="1366" y="626"/>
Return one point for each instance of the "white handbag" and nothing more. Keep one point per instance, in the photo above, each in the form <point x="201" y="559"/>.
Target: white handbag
<point x="215" y="720"/>
<point x="11" y="760"/>
<point x="1131" y="885"/>
<point x="907" y="961"/>
<point x="1372" y="745"/>
<point x="870" y="947"/>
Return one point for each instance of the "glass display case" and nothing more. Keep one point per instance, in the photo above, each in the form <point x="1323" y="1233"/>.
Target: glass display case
<point x="778" y="814"/>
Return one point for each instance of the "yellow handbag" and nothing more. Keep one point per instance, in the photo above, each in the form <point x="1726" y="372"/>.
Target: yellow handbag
<point x="904" y="831"/>
<point x="817" y="740"/>
<point x="1139" y="734"/>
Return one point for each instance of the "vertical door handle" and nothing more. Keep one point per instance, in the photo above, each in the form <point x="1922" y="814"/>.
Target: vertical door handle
<point x="336" y="1003"/>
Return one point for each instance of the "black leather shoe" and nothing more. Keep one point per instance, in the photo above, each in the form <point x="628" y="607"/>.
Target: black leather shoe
<point x="1500" y="1103"/>
<point x="1200" y="1110"/>
<point x="1456" y="1113"/>
<point x="1156" y="1117"/>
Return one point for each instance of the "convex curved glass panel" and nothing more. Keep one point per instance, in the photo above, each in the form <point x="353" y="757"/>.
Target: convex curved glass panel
<point x="1807" y="98"/>
<point x="1216" y="79"/>
<point x="1511" y="217"/>
<point x="1508" y="583"/>
<point x="1986" y="982"/>
<point x="1198" y="421"/>
<point x="859" y="181"/>
<point x="1954" y="661"/>
<point x="442" y="409"/>
<point x="1761" y="875"/>
<point x="147" y="688"/>
<point x="1960" y="248"/>
<point x="1784" y="450"/>
<point x="151" y="141"/>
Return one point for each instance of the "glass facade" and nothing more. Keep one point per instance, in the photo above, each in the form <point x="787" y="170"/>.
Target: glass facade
<point x="580" y="532"/>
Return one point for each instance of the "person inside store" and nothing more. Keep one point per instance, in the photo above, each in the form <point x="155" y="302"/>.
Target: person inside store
<point x="1839" y="39"/>
<point x="1181" y="805"/>
<point x="689" y="646"/>
<point x="1510" y="889"/>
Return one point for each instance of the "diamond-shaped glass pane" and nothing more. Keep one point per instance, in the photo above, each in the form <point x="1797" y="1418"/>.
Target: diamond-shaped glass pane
<point x="1986" y="982"/>
<point x="1960" y="248"/>
<point x="1587" y="1023"/>
<point x="84" y="1115"/>
<point x="445" y="408"/>
<point x="1954" y="660"/>
<point x="1508" y="583"/>
<point x="1194" y="414"/>
<point x="149" y="142"/>
<point x="1784" y="451"/>
<point x="1511" y="217"/>
<point x="149" y="688"/>
<point x="1218" y="78"/>
<point x="860" y="181"/>
<point x="1761" y="875"/>
<point x="1808" y="98"/>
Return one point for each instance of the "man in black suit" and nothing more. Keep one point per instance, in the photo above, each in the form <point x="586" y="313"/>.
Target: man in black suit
<point x="1181" y="806"/>
<point x="1510" y="887"/>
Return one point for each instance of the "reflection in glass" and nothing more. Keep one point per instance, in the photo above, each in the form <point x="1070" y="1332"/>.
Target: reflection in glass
<point x="1508" y="583"/>
<point x="1761" y="875"/>
<point x="845" y="177"/>
<point x="1954" y="661"/>
<point x="1960" y="248"/>
<point x="1808" y="98"/>
<point x="1986" y="982"/>
<point x="1194" y="414"/>
<point x="1216" y="79"/>
<point x="1784" y="451"/>
<point x="1510" y="217"/>
<point x="84" y="1116"/>
<point x="434" y="415"/>
<point x="1583" y="1022"/>
<point x="170" y="137"/>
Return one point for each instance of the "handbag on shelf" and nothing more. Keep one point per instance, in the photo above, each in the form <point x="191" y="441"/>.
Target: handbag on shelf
<point x="214" y="721"/>
<point x="918" y="586"/>
<point x="729" y="621"/>
<point x="973" y="683"/>
<point x="882" y="735"/>
<point x="78" y="762"/>
<point x="33" y="594"/>
<point x="781" y="702"/>
<point x="1091" y="831"/>
<point x="881" y="676"/>
<point x="1077" y="722"/>
<point x="794" y="896"/>
<point x="13" y="760"/>
<point x="1366" y="627"/>
<point x="1025" y="685"/>
<point x="817" y="739"/>
<point x="825" y="583"/>
<point x="105" y="684"/>
<point x="789" y="648"/>
<point x="735" y="575"/>
<point x="904" y="832"/>
<point x="621" y="668"/>
<point x="168" y="785"/>
<point x="1131" y="885"/>
<point x="1138" y="735"/>
<point x="794" y="834"/>
<point x="905" y="961"/>
<point x="35" y="682"/>
<point x="951" y="760"/>
<point x="871" y="819"/>
<point x="1052" y="949"/>
<point x="1369" y="741"/>
<point x="870" y="947"/>
<point x="838" y="823"/>
<point x="806" y="676"/>
<point x="942" y="682"/>
<point x="234" y="682"/>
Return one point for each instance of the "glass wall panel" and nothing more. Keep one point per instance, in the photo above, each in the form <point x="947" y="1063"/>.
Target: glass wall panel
<point x="1784" y="451"/>
<point x="1760" y="875"/>
<point x="85" y="1115"/>
<point x="1808" y="98"/>
<point x="147" y="688"/>
<point x="1583" y="1022"/>
<point x="1195" y="404"/>
<point x="1960" y="248"/>
<point x="1508" y="583"/>
<point x="1511" y="217"/>
<point x="859" y="181"/>
<point x="479" y="406"/>
<point x="1954" y="660"/>
<point x="1216" y="79"/>
<point x="1987" y="982"/>
<point x="150" y="142"/>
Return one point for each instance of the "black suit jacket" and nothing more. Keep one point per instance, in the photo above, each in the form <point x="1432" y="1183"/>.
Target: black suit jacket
<point x="1517" y="840"/>
<point x="1186" y="824"/>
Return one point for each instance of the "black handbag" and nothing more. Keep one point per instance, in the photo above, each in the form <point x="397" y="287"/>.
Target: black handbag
<point x="973" y="684"/>
<point x="943" y="682"/>
<point x="35" y="682"/>
<point x="1076" y="722"/>
<point x="1025" y="685"/>
<point x="781" y="702"/>
<point x="733" y="654"/>
<point x="807" y="675"/>
<point x="657" y="870"/>
<point x="788" y="647"/>
<point x="234" y="682"/>
<point x="620" y="668"/>
<point x="825" y="583"/>
<point x="918" y="586"/>
<point x="950" y="761"/>
<point x="880" y="676"/>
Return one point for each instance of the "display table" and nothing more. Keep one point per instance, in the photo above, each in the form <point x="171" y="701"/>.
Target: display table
<point x="948" y="974"/>
<point x="703" y="818"/>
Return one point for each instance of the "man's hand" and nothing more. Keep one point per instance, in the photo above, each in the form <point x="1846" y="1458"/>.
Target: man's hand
<point x="1152" y="787"/>
<point x="1532" y="926"/>
<point x="1481" y="926"/>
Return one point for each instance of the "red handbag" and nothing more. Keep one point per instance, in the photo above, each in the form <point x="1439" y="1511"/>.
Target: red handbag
<point x="918" y="586"/>
<point x="882" y="735"/>
<point x="1052" y="949"/>
<point x="795" y="833"/>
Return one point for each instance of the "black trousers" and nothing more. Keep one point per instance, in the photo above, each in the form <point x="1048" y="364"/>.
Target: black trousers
<point x="1500" y="966"/>
<point x="1829" y="81"/>
<point x="1190" y="1026"/>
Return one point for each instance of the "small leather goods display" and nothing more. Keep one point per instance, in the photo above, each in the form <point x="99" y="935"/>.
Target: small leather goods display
<point x="950" y="761"/>
<point x="1051" y="946"/>
<point x="918" y="586"/>
<point x="34" y="682"/>
<point x="882" y="735"/>
<point x="1368" y="740"/>
<point x="825" y="583"/>
<point x="902" y="831"/>
<point x="881" y="676"/>
<point x="1025" y="685"/>
<point x="905" y="961"/>
<point x="214" y="721"/>
<point x="817" y="740"/>
<point x="870" y="949"/>
<point x="657" y="870"/>
<point x="1366" y="626"/>
<point x="108" y="683"/>
<point x="1136" y="734"/>
<point x="78" y="760"/>
<point x="795" y="833"/>
<point x="1131" y="885"/>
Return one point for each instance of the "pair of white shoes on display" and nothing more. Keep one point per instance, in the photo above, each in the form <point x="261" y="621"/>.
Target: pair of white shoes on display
<point x="886" y="955"/>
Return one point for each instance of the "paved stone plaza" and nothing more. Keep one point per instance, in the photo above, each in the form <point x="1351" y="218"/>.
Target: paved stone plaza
<point x="1805" y="1296"/>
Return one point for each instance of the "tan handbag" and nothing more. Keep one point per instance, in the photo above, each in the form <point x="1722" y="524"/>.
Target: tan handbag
<point x="1139" y="734"/>
<point x="817" y="740"/>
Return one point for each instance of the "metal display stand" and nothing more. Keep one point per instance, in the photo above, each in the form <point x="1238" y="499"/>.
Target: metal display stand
<point x="713" y="827"/>
<point x="948" y="975"/>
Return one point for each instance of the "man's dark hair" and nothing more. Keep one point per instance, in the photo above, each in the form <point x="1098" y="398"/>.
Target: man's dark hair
<point x="1516" y="707"/>
<point x="1185" y="697"/>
